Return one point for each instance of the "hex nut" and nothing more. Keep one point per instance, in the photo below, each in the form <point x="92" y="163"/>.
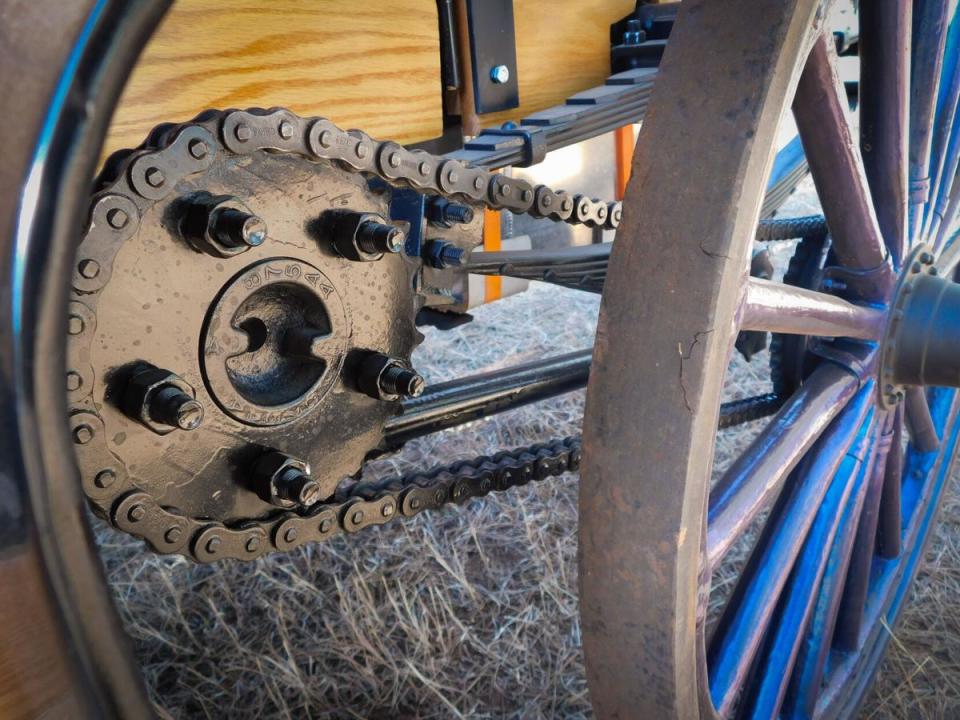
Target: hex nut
<point x="267" y="473"/>
<point x="201" y="217"/>
<point x="144" y="383"/>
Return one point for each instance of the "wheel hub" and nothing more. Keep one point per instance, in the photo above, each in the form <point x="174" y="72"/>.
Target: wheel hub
<point x="921" y="345"/>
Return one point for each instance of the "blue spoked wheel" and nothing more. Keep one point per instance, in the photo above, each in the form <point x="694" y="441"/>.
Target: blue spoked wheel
<point x="834" y="498"/>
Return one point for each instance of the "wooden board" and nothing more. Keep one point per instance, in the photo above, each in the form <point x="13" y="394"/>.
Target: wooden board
<point x="372" y="65"/>
<point x="563" y="47"/>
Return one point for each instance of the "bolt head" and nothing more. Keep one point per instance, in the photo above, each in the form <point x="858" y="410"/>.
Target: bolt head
<point x="243" y="132"/>
<point x="155" y="177"/>
<point x="117" y="218"/>
<point x="137" y="513"/>
<point x="500" y="74"/>
<point x="362" y="150"/>
<point x="387" y="510"/>
<point x="82" y="434"/>
<point x="290" y="535"/>
<point x="105" y="478"/>
<point x="285" y="130"/>
<point x="253" y="544"/>
<point x="325" y="138"/>
<point x="75" y="325"/>
<point x="395" y="240"/>
<point x="143" y="386"/>
<point x="198" y="149"/>
<point x="357" y="517"/>
<point x="89" y="269"/>
<point x="425" y="168"/>
<point x="173" y="534"/>
<point x="74" y="381"/>
<point x="325" y="525"/>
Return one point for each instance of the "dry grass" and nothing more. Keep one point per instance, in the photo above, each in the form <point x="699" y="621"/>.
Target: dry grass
<point x="469" y="613"/>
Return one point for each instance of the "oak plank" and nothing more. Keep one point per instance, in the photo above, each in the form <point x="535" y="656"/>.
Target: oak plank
<point x="372" y="65"/>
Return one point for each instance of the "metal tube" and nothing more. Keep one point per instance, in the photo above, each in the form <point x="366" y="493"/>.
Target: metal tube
<point x="756" y="477"/>
<point x="780" y="308"/>
<point x="453" y="403"/>
<point x="821" y="112"/>
<point x="884" y="114"/>
<point x="889" y="529"/>
<point x="923" y="433"/>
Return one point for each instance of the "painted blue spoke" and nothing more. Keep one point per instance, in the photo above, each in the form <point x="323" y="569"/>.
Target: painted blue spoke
<point x="944" y="131"/>
<point x="807" y="672"/>
<point x="796" y="606"/>
<point x="740" y="630"/>
<point x="854" y="600"/>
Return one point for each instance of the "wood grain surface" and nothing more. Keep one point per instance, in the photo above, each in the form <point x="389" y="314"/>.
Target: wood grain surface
<point x="372" y="65"/>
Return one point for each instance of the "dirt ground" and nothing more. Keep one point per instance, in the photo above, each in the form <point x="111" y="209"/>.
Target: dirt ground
<point x="469" y="613"/>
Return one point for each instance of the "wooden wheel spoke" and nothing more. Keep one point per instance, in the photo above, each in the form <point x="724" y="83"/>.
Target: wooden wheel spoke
<point x="741" y="628"/>
<point x="776" y="307"/>
<point x="884" y="118"/>
<point x="757" y="476"/>
<point x="854" y="600"/>
<point x="796" y="607"/>
<point x="923" y="432"/>
<point x="890" y="527"/>
<point x="806" y="676"/>
<point x="929" y="35"/>
<point x="821" y="112"/>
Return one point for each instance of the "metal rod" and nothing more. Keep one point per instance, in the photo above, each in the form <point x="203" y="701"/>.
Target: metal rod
<point x="453" y="403"/>
<point x="923" y="433"/>
<point x="929" y="39"/>
<point x="780" y="308"/>
<point x="890" y="526"/>
<point x="741" y="629"/>
<point x="884" y="114"/>
<point x="756" y="477"/>
<point x="821" y="111"/>
<point x="853" y="603"/>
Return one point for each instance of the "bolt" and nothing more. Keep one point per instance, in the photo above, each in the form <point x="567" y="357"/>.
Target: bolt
<point x="253" y="544"/>
<point x="172" y="406"/>
<point x="75" y="325"/>
<point x="425" y="168"/>
<point x="926" y="258"/>
<point x="117" y="218"/>
<point x="89" y="269"/>
<point x="105" y="478"/>
<point x="295" y="486"/>
<point x="243" y="132"/>
<point x="357" y="517"/>
<point x="398" y="380"/>
<point x="394" y="160"/>
<point x="173" y="534"/>
<point x="155" y="177"/>
<point x="441" y="254"/>
<point x="441" y="211"/>
<point x="325" y="139"/>
<point x="236" y="228"/>
<point x="634" y="35"/>
<point x="500" y="74"/>
<point x="361" y="150"/>
<point x="387" y="510"/>
<point x="285" y="130"/>
<point x="377" y="237"/>
<point x="82" y="434"/>
<point x="74" y="381"/>
<point x="198" y="149"/>
<point x="290" y="535"/>
<point x="137" y="513"/>
<point x="325" y="525"/>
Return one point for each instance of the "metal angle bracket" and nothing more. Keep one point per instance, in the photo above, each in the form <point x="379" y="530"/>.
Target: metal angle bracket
<point x="493" y="55"/>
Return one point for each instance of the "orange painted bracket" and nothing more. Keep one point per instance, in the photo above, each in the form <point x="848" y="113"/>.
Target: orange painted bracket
<point x="624" y="140"/>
